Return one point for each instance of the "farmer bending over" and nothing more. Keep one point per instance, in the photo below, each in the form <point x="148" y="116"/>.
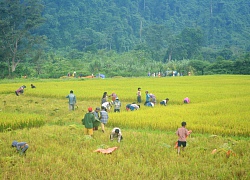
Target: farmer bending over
<point x="20" y="90"/>
<point x="116" y="133"/>
<point x="164" y="102"/>
<point x="21" y="147"/>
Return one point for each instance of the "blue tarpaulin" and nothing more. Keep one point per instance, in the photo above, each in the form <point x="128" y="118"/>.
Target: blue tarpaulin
<point x="100" y="75"/>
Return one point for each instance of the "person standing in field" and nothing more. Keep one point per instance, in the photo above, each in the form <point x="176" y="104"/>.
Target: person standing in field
<point x="113" y="96"/>
<point x="182" y="134"/>
<point x="97" y="117"/>
<point x="72" y="100"/>
<point x="138" y="95"/>
<point x="88" y="122"/>
<point x="147" y="97"/>
<point x="116" y="133"/>
<point x="104" y="98"/>
<point x="103" y="118"/>
<point x="117" y="105"/>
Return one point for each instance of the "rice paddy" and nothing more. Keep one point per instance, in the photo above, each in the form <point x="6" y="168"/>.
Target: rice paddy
<point x="218" y="115"/>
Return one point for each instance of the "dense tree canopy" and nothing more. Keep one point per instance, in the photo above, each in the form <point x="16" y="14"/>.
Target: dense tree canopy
<point x="122" y="24"/>
<point x="18" y="20"/>
<point x="204" y="37"/>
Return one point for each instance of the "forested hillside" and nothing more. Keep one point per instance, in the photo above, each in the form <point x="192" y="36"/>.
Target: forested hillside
<point x="136" y="31"/>
<point x="122" y="25"/>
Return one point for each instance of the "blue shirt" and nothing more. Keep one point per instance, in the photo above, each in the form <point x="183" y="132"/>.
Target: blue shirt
<point x="104" y="117"/>
<point x="72" y="98"/>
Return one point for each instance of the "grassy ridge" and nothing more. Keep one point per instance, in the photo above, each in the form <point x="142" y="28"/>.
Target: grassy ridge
<point x="59" y="150"/>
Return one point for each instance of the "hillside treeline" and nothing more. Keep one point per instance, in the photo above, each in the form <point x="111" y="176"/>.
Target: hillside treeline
<point x="45" y="38"/>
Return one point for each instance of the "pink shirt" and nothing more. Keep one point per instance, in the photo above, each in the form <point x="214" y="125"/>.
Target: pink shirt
<point x="187" y="99"/>
<point x="182" y="133"/>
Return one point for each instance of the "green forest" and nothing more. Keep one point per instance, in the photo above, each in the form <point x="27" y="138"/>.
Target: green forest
<point x="51" y="38"/>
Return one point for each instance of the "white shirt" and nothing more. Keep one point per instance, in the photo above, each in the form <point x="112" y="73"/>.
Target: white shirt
<point x="135" y="106"/>
<point x="106" y="105"/>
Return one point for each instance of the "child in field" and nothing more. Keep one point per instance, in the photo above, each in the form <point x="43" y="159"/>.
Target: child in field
<point x="147" y="97"/>
<point x="88" y="122"/>
<point x="164" y="102"/>
<point x="117" y="105"/>
<point x="182" y="134"/>
<point x="116" y="133"/>
<point x="103" y="118"/>
<point x="138" y="95"/>
<point x="21" y="147"/>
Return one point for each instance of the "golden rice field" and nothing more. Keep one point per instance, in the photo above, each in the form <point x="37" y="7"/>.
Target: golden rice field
<point x="218" y="115"/>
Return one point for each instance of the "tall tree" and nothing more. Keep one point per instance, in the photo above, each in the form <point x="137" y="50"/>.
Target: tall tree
<point x="192" y="41"/>
<point x="18" y="20"/>
<point x="199" y="66"/>
<point x="242" y="65"/>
